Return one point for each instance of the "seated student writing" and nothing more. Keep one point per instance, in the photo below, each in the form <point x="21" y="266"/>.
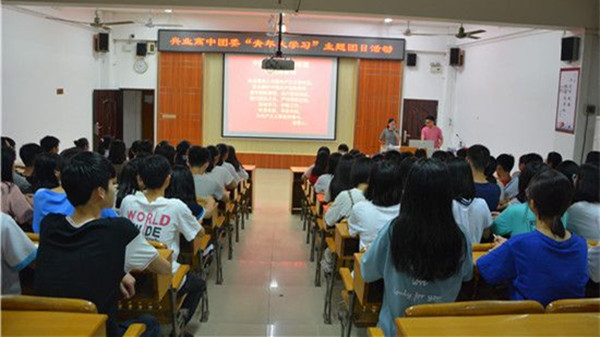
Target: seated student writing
<point x="549" y="263"/>
<point x="345" y="200"/>
<point x="218" y="173"/>
<point x="382" y="203"/>
<point x="164" y="219"/>
<point x="423" y="256"/>
<point x="84" y="256"/>
<point x="478" y="157"/>
<point x="584" y="214"/>
<point x="199" y="161"/>
<point x="182" y="188"/>
<point x="470" y="212"/>
<point x="18" y="252"/>
<point x="14" y="203"/>
<point x="50" y="197"/>
<point x="322" y="184"/>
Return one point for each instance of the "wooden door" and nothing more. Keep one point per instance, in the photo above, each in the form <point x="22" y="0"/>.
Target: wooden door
<point x="107" y="114"/>
<point x="179" y="117"/>
<point x="148" y="114"/>
<point x="413" y="117"/>
<point x="379" y="88"/>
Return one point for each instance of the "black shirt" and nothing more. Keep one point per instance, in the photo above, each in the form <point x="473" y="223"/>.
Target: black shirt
<point x="85" y="262"/>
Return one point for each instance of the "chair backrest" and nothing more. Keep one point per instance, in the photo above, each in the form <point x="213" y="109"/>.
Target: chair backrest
<point x="574" y="305"/>
<point x="475" y="308"/>
<point x="39" y="303"/>
<point x="157" y="244"/>
<point x="482" y="247"/>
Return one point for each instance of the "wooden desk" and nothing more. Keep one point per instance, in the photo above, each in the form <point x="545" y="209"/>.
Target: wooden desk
<point x="586" y="324"/>
<point x="250" y="170"/>
<point x="50" y="323"/>
<point x="297" y="195"/>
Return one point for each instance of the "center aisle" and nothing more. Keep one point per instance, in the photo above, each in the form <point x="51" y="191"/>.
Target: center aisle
<point x="268" y="286"/>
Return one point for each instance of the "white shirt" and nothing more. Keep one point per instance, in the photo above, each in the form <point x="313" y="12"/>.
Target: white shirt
<point x="366" y="219"/>
<point x="475" y="217"/>
<point x="231" y="171"/>
<point x="161" y="220"/>
<point x="242" y="173"/>
<point x="17" y="253"/>
<point x="220" y="175"/>
<point x="594" y="263"/>
<point x="342" y="205"/>
<point x="323" y="182"/>
<point x="584" y="219"/>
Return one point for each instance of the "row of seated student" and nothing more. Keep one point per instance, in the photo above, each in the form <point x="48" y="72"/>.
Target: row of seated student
<point x="418" y="218"/>
<point x="86" y="249"/>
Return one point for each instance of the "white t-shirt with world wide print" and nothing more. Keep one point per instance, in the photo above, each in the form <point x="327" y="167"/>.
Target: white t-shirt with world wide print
<point x="161" y="220"/>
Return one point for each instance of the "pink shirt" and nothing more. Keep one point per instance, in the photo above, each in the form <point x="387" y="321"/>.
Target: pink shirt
<point x="434" y="134"/>
<point x="15" y="204"/>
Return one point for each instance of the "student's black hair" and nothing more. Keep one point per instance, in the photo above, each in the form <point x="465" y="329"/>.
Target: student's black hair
<point x="29" y="152"/>
<point x="440" y="155"/>
<point x="461" y="180"/>
<point x="332" y="164"/>
<point x="223" y="152"/>
<point x="391" y="120"/>
<point x="341" y="179"/>
<point x="354" y="153"/>
<point x="8" y="161"/>
<point x="587" y="185"/>
<point x="553" y="159"/>
<point x="163" y="143"/>
<point x="490" y="169"/>
<point x="378" y="157"/>
<point x="404" y="155"/>
<point x="425" y="244"/>
<point x="324" y="148"/>
<point x="461" y="153"/>
<point x="593" y="157"/>
<point x="167" y="151"/>
<point x="104" y="144"/>
<point x="182" y="185"/>
<point x="393" y="156"/>
<point x="85" y="172"/>
<point x="44" y="171"/>
<point x="551" y="193"/>
<point x="360" y="171"/>
<point x="117" y="154"/>
<point x="7" y="141"/>
<point x="182" y="149"/>
<point x="214" y="154"/>
<point x="405" y="166"/>
<point x="198" y="156"/>
<point x="385" y="184"/>
<point x="154" y="171"/>
<point x="147" y="146"/>
<point x="343" y="148"/>
<point x="67" y="154"/>
<point x="530" y="158"/>
<point x="450" y="155"/>
<point x="430" y="118"/>
<point x="320" y="165"/>
<point x="128" y="183"/>
<point x="82" y="143"/>
<point x="479" y="156"/>
<point x="530" y="171"/>
<point x="48" y="143"/>
<point x="570" y="169"/>
<point x="421" y="153"/>
<point x="143" y="154"/>
<point x="506" y="161"/>
<point x="233" y="159"/>
<point x="134" y="149"/>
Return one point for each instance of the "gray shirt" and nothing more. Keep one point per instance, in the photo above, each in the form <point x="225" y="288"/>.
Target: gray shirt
<point x="205" y="186"/>
<point x="22" y="183"/>
<point x="389" y="136"/>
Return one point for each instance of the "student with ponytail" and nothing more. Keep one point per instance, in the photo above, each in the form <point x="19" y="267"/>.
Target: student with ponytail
<point x="549" y="263"/>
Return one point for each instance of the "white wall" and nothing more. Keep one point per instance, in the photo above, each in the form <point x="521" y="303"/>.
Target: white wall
<point x="39" y="56"/>
<point x="506" y="96"/>
<point x="132" y="116"/>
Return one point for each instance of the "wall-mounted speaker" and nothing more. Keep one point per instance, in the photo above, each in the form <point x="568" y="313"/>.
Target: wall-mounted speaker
<point x="570" y="49"/>
<point x="101" y="42"/>
<point x="456" y="57"/>
<point x="411" y="59"/>
<point x="141" y="49"/>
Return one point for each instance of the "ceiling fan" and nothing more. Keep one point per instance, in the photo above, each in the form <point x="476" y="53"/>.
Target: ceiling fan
<point x="150" y="24"/>
<point x="97" y="23"/>
<point x="462" y="34"/>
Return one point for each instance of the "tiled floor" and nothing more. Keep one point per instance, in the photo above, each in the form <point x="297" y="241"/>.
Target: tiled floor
<point x="268" y="286"/>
